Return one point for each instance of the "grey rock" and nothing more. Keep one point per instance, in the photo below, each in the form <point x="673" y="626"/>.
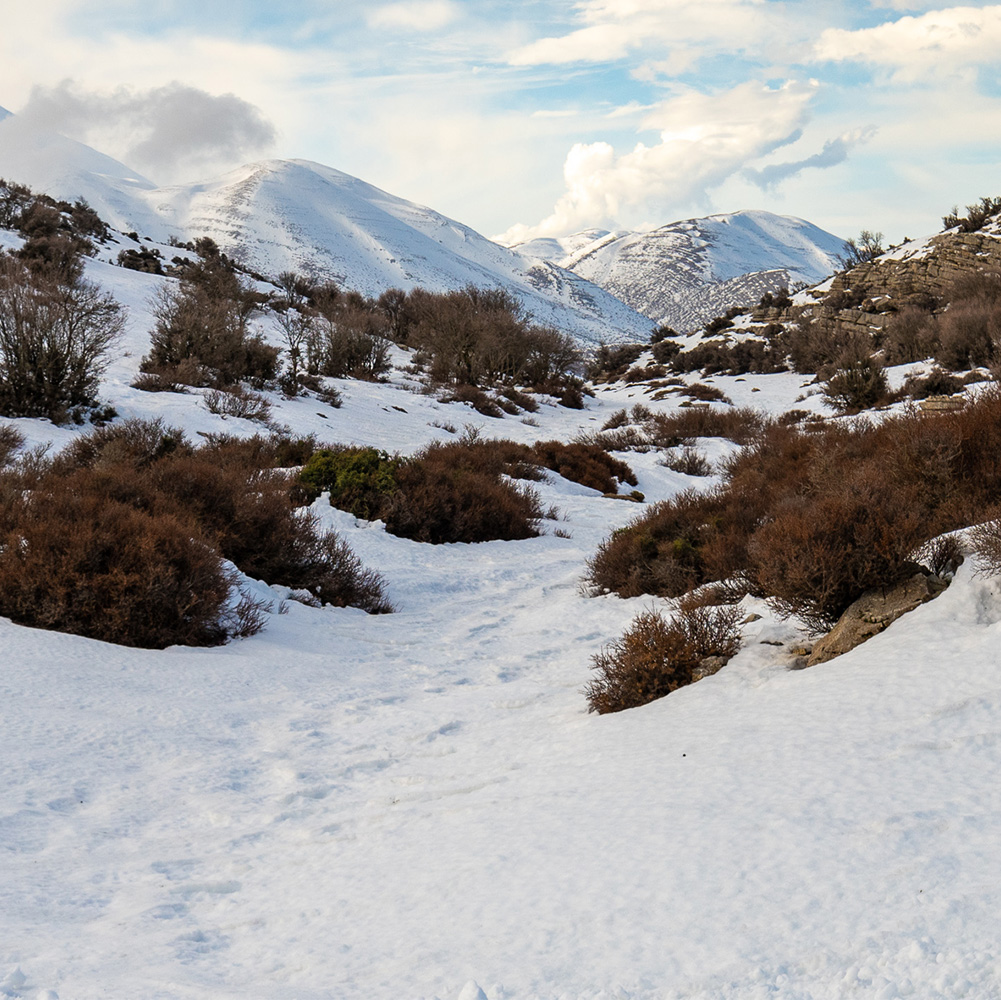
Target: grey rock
<point x="872" y="613"/>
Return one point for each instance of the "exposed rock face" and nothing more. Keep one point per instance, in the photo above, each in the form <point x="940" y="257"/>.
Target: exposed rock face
<point x="918" y="273"/>
<point x="873" y="612"/>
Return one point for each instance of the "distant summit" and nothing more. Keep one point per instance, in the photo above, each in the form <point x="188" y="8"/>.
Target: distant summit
<point x="685" y="273"/>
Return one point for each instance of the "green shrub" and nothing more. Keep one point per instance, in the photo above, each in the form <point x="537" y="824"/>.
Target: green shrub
<point x="359" y="480"/>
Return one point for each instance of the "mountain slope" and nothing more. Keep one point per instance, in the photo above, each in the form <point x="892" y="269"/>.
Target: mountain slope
<point x="687" y="272"/>
<point x="296" y="215"/>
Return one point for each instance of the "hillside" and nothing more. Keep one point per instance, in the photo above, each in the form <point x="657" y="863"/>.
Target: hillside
<point x="295" y="215"/>
<point x="685" y="273"/>
<point x="419" y="804"/>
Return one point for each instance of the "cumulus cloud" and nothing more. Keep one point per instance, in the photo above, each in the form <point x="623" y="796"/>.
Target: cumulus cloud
<point x="704" y="139"/>
<point x="167" y="132"/>
<point x="414" y="15"/>
<point x="835" y="151"/>
<point x="940" y="41"/>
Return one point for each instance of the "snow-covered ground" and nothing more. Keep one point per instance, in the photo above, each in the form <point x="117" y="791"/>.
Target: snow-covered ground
<point x="418" y="805"/>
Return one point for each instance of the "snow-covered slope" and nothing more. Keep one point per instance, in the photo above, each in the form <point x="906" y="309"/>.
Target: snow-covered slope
<point x="51" y="163"/>
<point x="687" y="272"/>
<point x="418" y="804"/>
<point x="296" y="215"/>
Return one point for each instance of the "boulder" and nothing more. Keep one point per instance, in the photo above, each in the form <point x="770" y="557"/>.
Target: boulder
<point x="708" y="666"/>
<point x="873" y="612"/>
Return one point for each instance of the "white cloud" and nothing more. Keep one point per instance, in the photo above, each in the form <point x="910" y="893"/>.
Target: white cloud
<point x="931" y="44"/>
<point x="167" y="131"/>
<point x="704" y="139"/>
<point x="613" y="28"/>
<point x="414" y="15"/>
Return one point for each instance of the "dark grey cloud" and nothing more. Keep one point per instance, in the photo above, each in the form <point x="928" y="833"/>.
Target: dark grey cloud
<point x="168" y="132"/>
<point x="835" y="151"/>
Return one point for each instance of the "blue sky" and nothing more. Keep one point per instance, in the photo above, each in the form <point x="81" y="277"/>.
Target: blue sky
<point x="542" y="117"/>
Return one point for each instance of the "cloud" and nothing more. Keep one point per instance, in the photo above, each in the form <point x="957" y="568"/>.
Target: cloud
<point x="614" y="28"/>
<point x="835" y="151"/>
<point x="704" y="139"/>
<point x="941" y="41"/>
<point x="166" y="132"/>
<point x="414" y="15"/>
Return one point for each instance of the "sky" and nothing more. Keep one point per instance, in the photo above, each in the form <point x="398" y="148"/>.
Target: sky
<point x="529" y="118"/>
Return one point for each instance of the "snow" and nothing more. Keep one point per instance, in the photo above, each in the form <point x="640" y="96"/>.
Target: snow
<point x="418" y="805"/>
<point x="280" y="215"/>
<point x="687" y="272"/>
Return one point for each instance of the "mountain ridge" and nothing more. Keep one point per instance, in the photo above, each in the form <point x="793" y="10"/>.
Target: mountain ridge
<point x="686" y="272"/>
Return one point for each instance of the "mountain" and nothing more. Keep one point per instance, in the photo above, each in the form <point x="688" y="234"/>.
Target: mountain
<point x="685" y="273"/>
<point x="281" y="215"/>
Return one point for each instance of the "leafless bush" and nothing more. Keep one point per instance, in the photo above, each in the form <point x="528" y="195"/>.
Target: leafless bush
<point x="235" y="401"/>
<point x="655" y="657"/>
<point x="54" y="340"/>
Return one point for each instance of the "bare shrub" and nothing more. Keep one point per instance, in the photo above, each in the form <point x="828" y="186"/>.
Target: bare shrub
<point x="11" y="442"/>
<point x="977" y="215"/>
<point x="587" y="464"/>
<point x="856" y="380"/>
<point x="54" y="340"/>
<point x="655" y="657"/>
<point x="910" y="335"/>
<point x="818" y="553"/>
<point x="201" y="336"/>
<point x="235" y="401"/>
<point x="970" y="329"/>
<point x="689" y="462"/>
<point x="446" y="496"/>
<point x="476" y="398"/>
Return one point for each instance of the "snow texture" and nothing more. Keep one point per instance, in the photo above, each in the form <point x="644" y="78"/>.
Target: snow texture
<point x="418" y="805"/>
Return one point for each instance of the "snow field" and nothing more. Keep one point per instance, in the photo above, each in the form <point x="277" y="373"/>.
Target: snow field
<point x="419" y="806"/>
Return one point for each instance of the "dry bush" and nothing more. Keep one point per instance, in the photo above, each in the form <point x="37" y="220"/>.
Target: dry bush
<point x="235" y="401"/>
<point x="351" y="343"/>
<point x="158" y="382"/>
<point x="612" y="362"/>
<point x="241" y="504"/>
<point x="655" y="657"/>
<point x="910" y="335"/>
<point x="705" y="393"/>
<point x="936" y="383"/>
<point x="813" y="344"/>
<point x="201" y="335"/>
<point x="520" y="399"/>
<point x="671" y="548"/>
<point x="11" y="442"/>
<point x="445" y="495"/>
<point x="820" y="551"/>
<point x="55" y="334"/>
<point x="587" y="464"/>
<point x="722" y="357"/>
<point x="476" y="398"/>
<point x="856" y="380"/>
<point x="689" y="462"/>
<point x="741" y="425"/>
<point x="77" y="561"/>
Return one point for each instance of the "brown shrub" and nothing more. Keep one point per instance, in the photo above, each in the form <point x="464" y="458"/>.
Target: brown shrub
<point x="587" y="464"/>
<point x="476" y="398"/>
<point x="910" y="335"/>
<point x="655" y="657"/>
<point x="77" y="561"/>
<point x="446" y="495"/>
<point x="820" y="551"/>
<point x="230" y="489"/>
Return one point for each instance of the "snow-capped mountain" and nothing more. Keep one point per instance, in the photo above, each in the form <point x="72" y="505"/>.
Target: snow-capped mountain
<point x="685" y="273"/>
<point x="281" y="215"/>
